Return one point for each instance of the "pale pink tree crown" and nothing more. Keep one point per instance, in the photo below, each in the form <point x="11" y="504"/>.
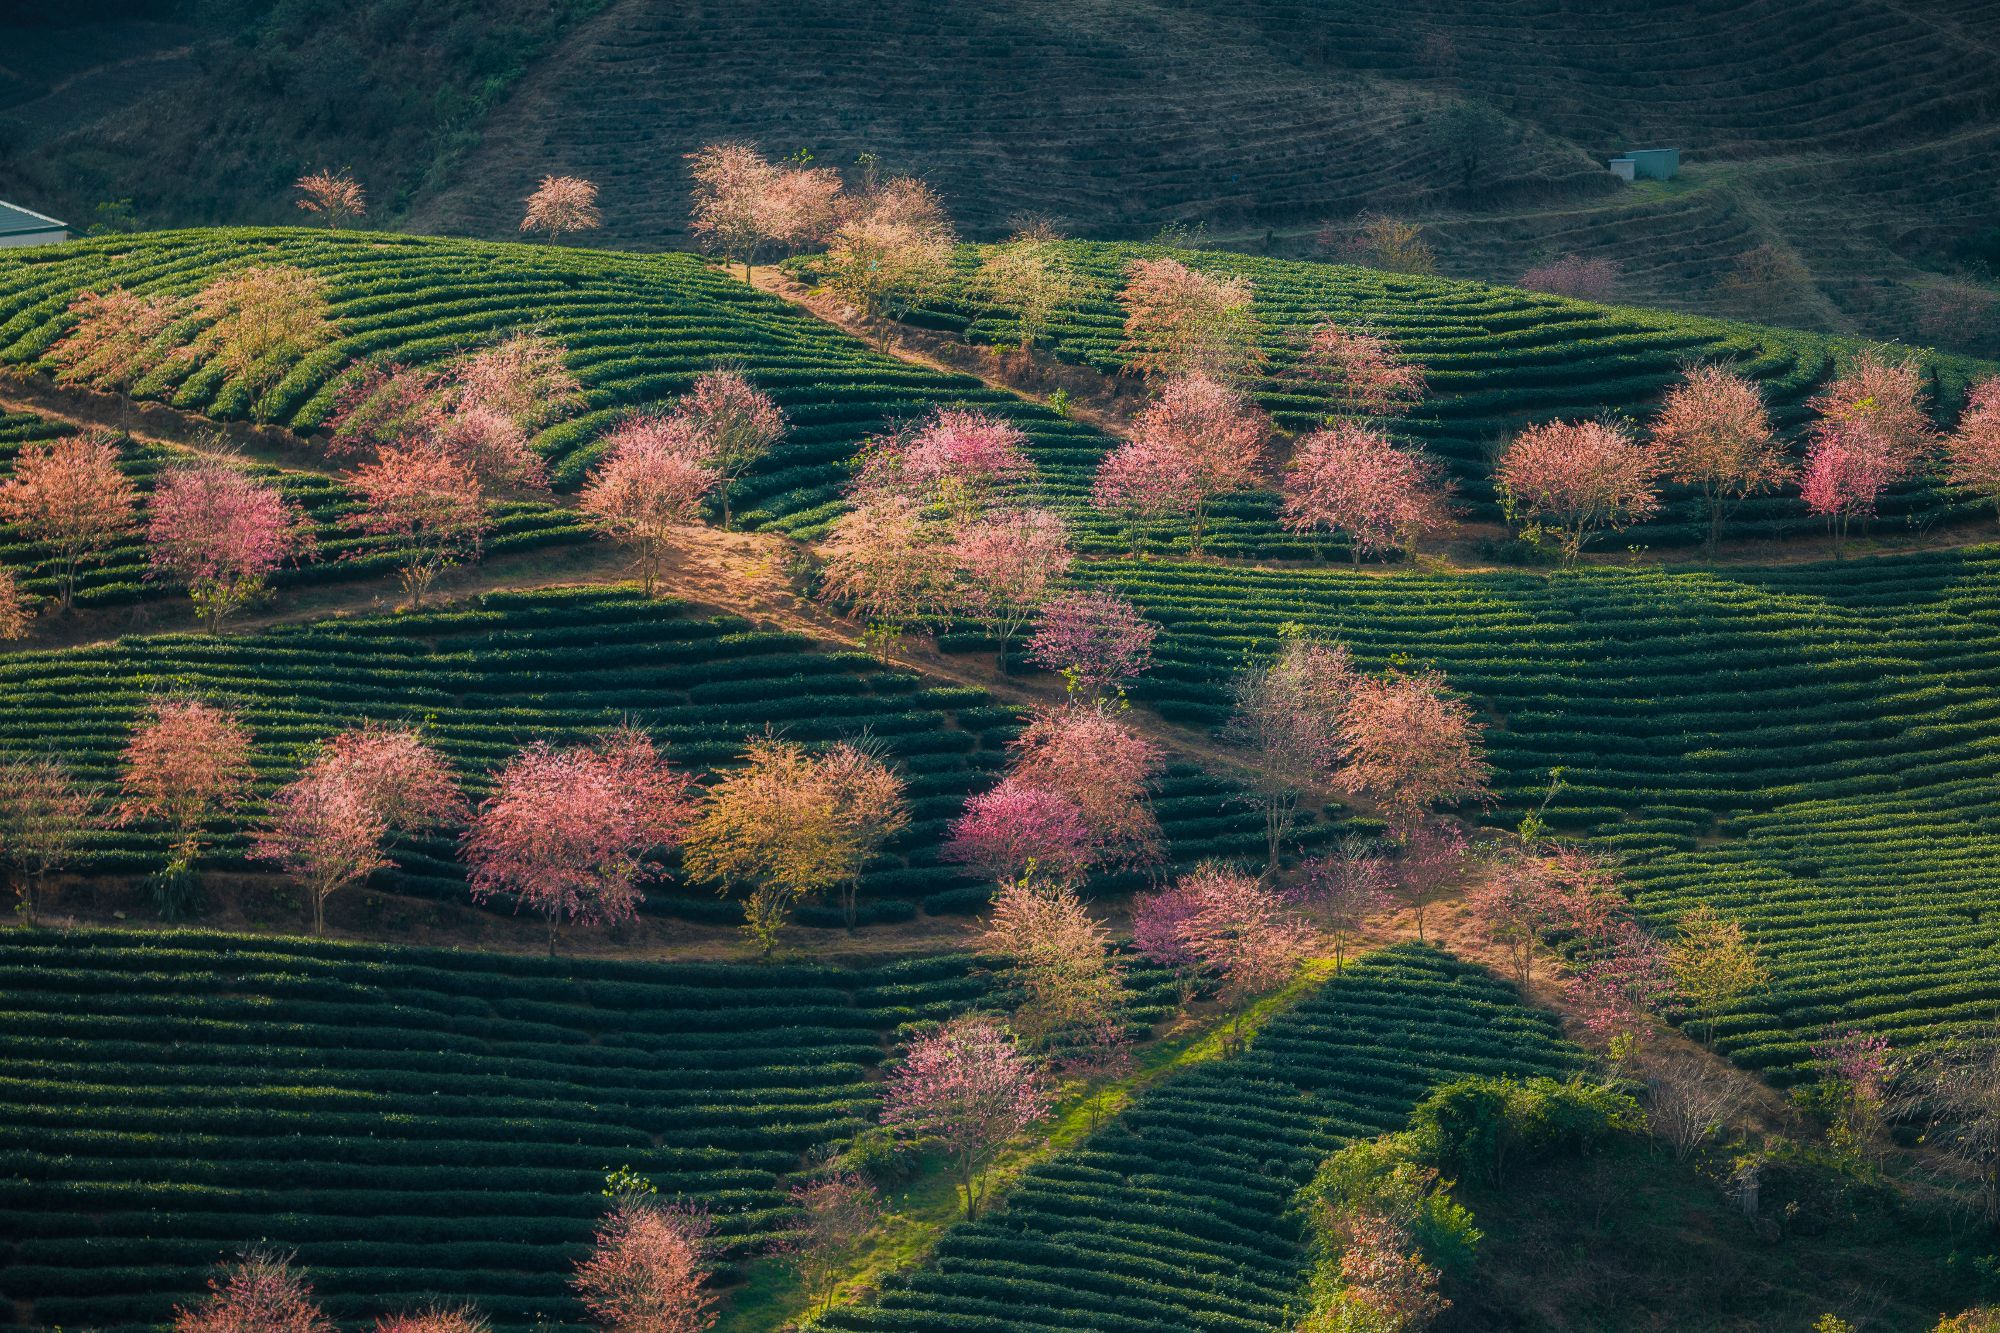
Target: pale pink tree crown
<point x="430" y="502"/>
<point x="649" y="484"/>
<point x="648" y="1270"/>
<point x="1198" y="439"/>
<point x="1087" y="755"/>
<point x="1570" y="478"/>
<point x="1364" y="372"/>
<point x="1973" y="448"/>
<point x="966" y="1090"/>
<point x="1096" y="639"/>
<point x="112" y="342"/>
<point x="1008" y="565"/>
<point x="562" y="205"/>
<point x="731" y="425"/>
<point x="186" y="762"/>
<point x="70" y="495"/>
<point x="335" y="196"/>
<point x="1410" y="745"/>
<point x="1180" y="321"/>
<point x="1574" y="276"/>
<point x="1359" y="483"/>
<point x="260" y="1293"/>
<point x="222" y="533"/>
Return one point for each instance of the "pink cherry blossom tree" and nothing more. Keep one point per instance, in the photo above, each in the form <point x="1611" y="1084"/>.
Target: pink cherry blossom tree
<point x="966" y="1090"/>
<point x="1618" y="987"/>
<point x="1845" y="473"/>
<point x="524" y="377"/>
<point x="962" y="459"/>
<point x="1566" y="479"/>
<point x="1084" y="753"/>
<point x="430" y="504"/>
<point x="1343" y="891"/>
<point x="1713" y="433"/>
<point x="260" y="1293"/>
<point x="1288" y="714"/>
<point x="1365" y="376"/>
<point x="1016" y="830"/>
<point x="334" y="196"/>
<point x="1410" y="745"/>
<point x="732" y="425"/>
<point x="1095" y="639"/>
<point x="1526" y="897"/>
<point x="44" y="813"/>
<point x="648" y="1270"/>
<point x="1070" y="987"/>
<point x="1573" y="276"/>
<point x="649" y="485"/>
<point x="1227" y="924"/>
<point x="562" y="206"/>
<point x="1972" y="450"/>
<point x="489" y="443"/>
<point x="221" y="533"/>
<point x="70" y="496"/>
<point x="1871" y="431"/>
<point x="1008" y="566"/>
<point x="888" y="564"/>
<point x="1180" y="321"/>
<point x="571" y="833"/>
<point x="114" y="340"/>
<point x="833" y="1214"/>
<point x="1355" y="481"/>
<point x="328" y="827"/>
<point x="1432" y="858"/>
<point x="742" y="203"/>
<point x="186" y="763"/>
<point x="1198" y="440"/>
<point x="891" y="249"/>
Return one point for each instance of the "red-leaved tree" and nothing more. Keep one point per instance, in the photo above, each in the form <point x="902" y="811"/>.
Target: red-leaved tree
<point x="260" y="1293"/>
<point x="1199" y="439"/>
<point x="649" y="1269"/>
<point x="1713" y="433"/>
<point x="649" y="485"/>
<point x="572" y="833"/>
<point x="1359" y="483"/>
<point x="69" y="496"/>
<point x="966" y="1090"/>
<point x="437" y="1319"/>
<point x="221" y="533"/>
<point x="1566" y="479"/>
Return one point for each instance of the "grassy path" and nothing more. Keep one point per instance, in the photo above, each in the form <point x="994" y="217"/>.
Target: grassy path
<point x="919" y="1212"/>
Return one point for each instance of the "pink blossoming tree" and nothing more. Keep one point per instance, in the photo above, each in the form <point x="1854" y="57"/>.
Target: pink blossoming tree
<point x="44" y="813"/>
<point x="966" y="1090"/>
<point x="1363" y="373"/>
<point x="115" y="339"/>
<point x="186" y="763"/>
<point x="649" y="485"/>
<point x="1015" y="830"/>
<point x="1095" y="639"/>
<point x="1070" y="988"/>
<point x="1713" y="433"/>
<point x="1105" y="768"/>
<point x="1288" y="713"/>
<point x="430" y="503"/>
<point x="1357" y="482"/>
<point x="562" y="206"/>
<point x="260" y="1293"/>
<point x="70" y="496"/>
<point x="1227" y="924"/>
<point x="221" y="534"/>
<point x="1410" y="745"/>
<point x="329" y="825"/>
<point x="731" y="426"/>
<point x="1566" y="479"/>
<point x="1198" y="440"/>
<point x="1180" y="321"/>
<point x="1344" y="891"/>
<point x="1008" y="566"/>
<point x="572" y="833"/>
<point x="1972" y="450"/>
<point x="648" y="1270"/>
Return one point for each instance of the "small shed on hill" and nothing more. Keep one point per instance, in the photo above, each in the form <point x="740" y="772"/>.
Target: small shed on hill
<point x="1647" y="164"/>
<point x="24" y="226"/>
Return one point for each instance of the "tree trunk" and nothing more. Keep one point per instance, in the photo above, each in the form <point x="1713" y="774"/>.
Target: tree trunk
<point x="552" y="935"/>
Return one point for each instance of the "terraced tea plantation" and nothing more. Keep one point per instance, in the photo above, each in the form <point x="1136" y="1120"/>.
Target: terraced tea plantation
<point x="1811" y="748"/>
<point x="487" y="677"/>
<point x="1178" y="1215"/>
<point x="638" y="328"/>
<point x="340" y="551"/>
<point x="1497" y="359"/>
<point x="418" y="1124"/>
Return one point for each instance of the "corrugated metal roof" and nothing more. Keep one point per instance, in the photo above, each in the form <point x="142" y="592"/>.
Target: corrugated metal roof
<point x="15" y="219"/>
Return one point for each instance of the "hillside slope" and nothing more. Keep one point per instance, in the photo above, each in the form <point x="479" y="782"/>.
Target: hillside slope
<point x="1839" y="167"/>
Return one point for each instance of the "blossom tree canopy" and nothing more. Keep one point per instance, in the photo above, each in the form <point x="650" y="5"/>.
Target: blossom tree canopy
<point x="1359" y="483"/>
<point x="1570" y="478"/>
<point x="571" y="833"/>
<point x="221" y="533"/>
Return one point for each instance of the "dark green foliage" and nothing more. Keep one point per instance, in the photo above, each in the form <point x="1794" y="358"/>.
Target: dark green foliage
<point x="1478" y="1127"/>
